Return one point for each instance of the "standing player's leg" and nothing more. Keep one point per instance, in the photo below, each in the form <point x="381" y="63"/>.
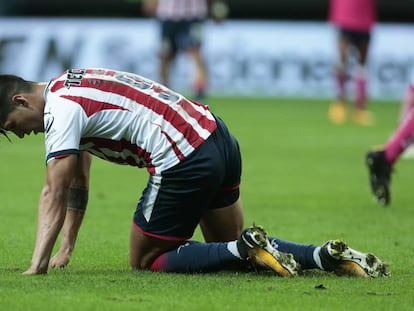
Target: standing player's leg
<point x="407" y="102"/>
<point x="337" y="110"/>
<point x="341" y="67"/>
<point x="361" y="115"/>
<point x="190" y="41"/>
<point x="406" y="105"/>
<point x="200" y="78"/>
<point x="381" y="160"/>
<point x="168" y="50"/>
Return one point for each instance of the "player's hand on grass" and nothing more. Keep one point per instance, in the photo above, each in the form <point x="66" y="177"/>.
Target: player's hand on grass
<point x="60" y="260"/>
<point x="34" y="271"/>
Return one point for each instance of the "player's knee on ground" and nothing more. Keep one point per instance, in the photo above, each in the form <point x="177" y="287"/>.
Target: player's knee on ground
<point x="137" y="263"/>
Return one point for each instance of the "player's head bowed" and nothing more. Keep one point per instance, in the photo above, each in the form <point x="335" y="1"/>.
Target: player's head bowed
<point x="9" y="86"/>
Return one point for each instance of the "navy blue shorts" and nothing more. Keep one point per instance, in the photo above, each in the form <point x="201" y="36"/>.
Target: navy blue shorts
<point x="173" y="202"/>
<point x="180" y="35"/>
<point x="355" y="37"/>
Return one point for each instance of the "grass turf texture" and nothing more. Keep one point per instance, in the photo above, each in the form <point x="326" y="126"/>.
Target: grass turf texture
<point x="304" y="180"/>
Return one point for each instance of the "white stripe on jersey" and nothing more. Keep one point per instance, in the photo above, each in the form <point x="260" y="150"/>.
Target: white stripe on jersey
<point x="181" y="9"/>
<point x="151" y="195"/>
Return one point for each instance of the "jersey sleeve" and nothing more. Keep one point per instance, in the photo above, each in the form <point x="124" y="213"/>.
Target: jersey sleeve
<point x="64" y="123"/>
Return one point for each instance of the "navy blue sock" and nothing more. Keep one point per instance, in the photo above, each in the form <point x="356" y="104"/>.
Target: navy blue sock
<point x="303" y="253"/>
<point x="196" y="257"/>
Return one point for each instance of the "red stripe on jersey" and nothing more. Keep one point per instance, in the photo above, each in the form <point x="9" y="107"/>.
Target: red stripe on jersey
<point x="177" y="151"/>
<point x="91" y="106"/>
<point x="62" y="156"/>
<point x="162" y="237"/>
<point x="231" y="188"/>
<point x="120" y="146"/>
<point x="57" y="86"/>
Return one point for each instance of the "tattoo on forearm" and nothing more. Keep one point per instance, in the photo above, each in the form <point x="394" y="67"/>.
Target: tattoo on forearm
<point x="78" y="198"/>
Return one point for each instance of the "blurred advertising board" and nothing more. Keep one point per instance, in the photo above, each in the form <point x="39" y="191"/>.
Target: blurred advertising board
<point x="244" y="58"/>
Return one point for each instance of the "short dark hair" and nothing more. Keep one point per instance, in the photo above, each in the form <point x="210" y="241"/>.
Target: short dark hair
<point x="10" y="85"/>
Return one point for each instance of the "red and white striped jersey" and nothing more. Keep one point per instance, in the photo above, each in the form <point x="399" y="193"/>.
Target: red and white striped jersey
<point x="122" y="117"/>
<point x="182" y="9"/>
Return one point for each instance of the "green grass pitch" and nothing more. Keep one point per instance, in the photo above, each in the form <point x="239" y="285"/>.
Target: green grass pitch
<point x="304" y="180"/>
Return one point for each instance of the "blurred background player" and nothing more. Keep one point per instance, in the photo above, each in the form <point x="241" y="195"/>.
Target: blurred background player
<point x="406" y="105"/>
<point x="181" y="26"/>
<point x="354" y="20"/>
<point x="380" y="161"/>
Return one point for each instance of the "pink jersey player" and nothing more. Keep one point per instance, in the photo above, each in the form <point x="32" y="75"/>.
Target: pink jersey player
<point x="354" y="20"/>
<point x="380" y="161"/>
<point x="356" y="15"/>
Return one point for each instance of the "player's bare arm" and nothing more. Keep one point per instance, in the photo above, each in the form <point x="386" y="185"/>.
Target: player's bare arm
<point x="52" y="210"/>
<point x="76" y="207"/>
